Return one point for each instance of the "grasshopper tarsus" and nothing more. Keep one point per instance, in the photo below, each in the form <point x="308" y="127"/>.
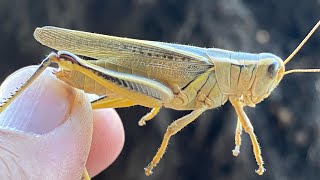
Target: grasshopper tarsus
<point x="236" y="151"/>
<point x="142" y="122"/>
<point x="147" y="171"/>
<point x="260" y="171"/>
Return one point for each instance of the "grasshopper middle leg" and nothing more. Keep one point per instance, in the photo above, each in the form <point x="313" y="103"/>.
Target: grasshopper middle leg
<point x="149" y="116"/>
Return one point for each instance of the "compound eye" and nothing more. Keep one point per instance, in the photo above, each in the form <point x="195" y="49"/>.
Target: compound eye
<point x="273" y="69"/>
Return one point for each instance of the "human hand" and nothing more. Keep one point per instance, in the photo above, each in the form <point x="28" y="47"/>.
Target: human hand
<point x="46" y="132"/>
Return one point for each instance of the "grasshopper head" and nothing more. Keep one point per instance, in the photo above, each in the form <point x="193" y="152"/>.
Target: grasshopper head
<point x="270" y="71"/>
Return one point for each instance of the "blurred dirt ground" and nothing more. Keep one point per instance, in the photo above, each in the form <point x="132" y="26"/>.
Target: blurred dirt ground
<point x="287" y="123"/>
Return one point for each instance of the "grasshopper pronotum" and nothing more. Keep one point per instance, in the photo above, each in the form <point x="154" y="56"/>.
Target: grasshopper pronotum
<point x="126" y="72"/>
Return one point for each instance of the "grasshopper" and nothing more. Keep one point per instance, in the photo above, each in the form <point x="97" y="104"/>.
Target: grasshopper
<point x="125" y="72"/>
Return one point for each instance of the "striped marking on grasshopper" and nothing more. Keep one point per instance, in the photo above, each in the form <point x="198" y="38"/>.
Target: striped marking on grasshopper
<point x="127" y="72"/>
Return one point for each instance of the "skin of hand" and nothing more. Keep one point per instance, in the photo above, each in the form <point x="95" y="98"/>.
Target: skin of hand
<point x="50" y="131"/>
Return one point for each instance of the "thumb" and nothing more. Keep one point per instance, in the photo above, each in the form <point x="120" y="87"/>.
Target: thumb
<point x="46" y="132"/>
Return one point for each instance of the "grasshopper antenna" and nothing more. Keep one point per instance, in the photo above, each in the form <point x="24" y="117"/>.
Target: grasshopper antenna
<point x="297" y="49"/>
<point x="302" y="43"/>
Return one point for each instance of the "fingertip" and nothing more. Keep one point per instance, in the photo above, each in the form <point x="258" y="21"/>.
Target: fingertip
<point x="47" y="127"/>
<point x="107" y="140"/>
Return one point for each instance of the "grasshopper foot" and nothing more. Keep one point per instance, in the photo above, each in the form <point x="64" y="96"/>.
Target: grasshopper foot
<point x="142" y="122"/>
<point x="236" y="151"/>
<point x="148" y="170"/>
<point x="261" y="170"/>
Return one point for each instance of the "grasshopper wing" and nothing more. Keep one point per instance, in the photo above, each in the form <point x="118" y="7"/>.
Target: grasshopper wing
<point x="157" y="60"/>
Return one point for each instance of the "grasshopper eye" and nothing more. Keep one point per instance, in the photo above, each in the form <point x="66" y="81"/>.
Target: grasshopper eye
<point x="273" y="69"/>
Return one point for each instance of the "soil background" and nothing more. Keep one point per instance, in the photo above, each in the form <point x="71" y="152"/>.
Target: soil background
<point x="287" y="124"/>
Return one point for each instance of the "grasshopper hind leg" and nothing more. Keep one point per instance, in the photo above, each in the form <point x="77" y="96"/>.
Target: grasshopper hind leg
<point x="85" y="175"/>
<point x="172" y="129"/>
<point x="44" y="64"/>
<point x="111" y="102"/>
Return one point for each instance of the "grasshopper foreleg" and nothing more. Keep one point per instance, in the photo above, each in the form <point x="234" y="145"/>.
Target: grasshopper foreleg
<point x="237" y="138"/>
<point x="248" y="128"/>
<point x="172" y="129"/>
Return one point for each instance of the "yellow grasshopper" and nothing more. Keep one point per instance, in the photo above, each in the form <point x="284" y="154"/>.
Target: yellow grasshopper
<point x="125" y="72"/>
